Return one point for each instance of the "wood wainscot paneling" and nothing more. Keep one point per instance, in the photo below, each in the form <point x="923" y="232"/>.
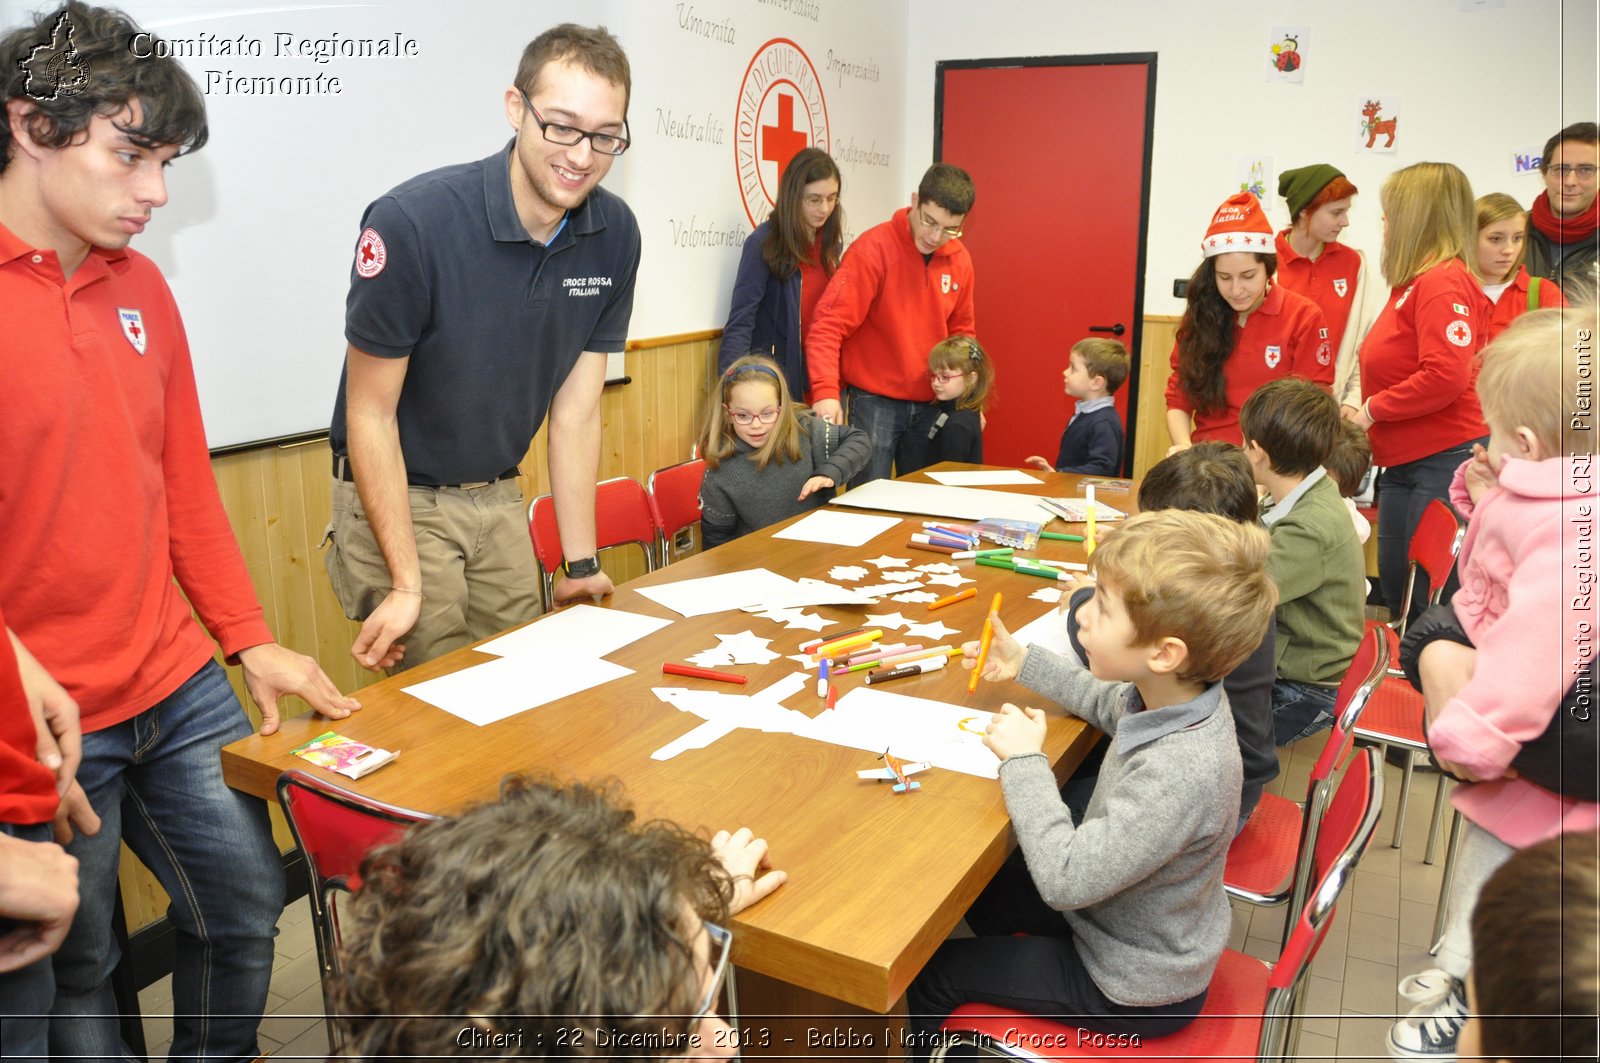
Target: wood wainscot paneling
<point x="1155" y="367"/>
<point x="278" y="501"/>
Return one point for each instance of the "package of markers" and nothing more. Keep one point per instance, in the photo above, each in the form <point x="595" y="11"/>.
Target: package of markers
<point x="346" y="756"/>
<point x="1076" y="510"/>
<point x="1022" y="534"/>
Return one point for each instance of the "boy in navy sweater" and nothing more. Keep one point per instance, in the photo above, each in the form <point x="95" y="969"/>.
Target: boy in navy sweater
<point x="1092" y="442"/>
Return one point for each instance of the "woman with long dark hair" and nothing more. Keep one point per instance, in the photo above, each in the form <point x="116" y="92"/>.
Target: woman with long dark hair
<point x="1239" y="330"/>
<point x="784" y="267"/>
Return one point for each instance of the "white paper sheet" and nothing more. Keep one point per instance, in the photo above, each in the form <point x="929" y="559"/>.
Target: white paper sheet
<point x="715" y="594"/>
<point x="947" y="736"/>
<point x="1048" y="630"/>
<point x="936" y="500"/>
<point x="984" y="478"/>
<point x="580" y="630"/>
<point x="837" y="529"/>
<point x="494" y="690"/>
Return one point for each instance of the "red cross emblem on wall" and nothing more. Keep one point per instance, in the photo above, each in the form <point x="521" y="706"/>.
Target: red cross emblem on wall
<point x="781" y="142"/>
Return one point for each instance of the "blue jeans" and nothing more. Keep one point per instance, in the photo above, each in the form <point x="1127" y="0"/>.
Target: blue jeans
<point x="1300" y="710"/>
<point x="884" y="420"/>
<point x="1403" y="493"/>
<point x="25" y="994"/>
<point x="156" y="783"/>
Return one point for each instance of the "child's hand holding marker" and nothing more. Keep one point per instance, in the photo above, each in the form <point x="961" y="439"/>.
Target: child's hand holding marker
<point x="1015" y="731"/>
<point x="1005" y="655"/>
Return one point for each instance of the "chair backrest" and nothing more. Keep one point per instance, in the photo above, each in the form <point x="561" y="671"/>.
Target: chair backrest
<point x="1367" y="670"/>
<point x="1351" y="822"/>
<point x="622" y="516"/>
<point x="335" y="828"/>
<point x="1433" y="549"/>
<point x="542" y="529"/>
<point x="675" y="498"/>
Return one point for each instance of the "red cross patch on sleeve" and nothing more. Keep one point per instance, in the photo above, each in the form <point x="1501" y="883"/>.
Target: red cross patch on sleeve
<point x="371" y="255"/>
<point x="1459" y="333"/>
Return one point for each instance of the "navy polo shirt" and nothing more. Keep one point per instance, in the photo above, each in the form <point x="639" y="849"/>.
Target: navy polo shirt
<point x="492" y="321"/>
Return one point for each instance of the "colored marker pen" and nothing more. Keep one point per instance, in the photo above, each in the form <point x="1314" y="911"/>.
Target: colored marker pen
<point x="669" y="668"/>
<point x="811" y="647"/>
<point x="822" y="679"/>
<point x="927" y="664"/>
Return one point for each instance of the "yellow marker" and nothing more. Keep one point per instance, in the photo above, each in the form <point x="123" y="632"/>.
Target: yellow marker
<point x="1088" y="530"/>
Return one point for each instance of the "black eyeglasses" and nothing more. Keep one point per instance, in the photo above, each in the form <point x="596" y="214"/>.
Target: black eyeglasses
<point x="567" y="136"/>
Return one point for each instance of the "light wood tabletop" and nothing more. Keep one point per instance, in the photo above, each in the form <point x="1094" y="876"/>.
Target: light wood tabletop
<point x="876" y="880"/>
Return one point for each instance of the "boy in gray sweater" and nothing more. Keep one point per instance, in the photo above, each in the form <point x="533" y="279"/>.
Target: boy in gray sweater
<point x="1124" y="913"/>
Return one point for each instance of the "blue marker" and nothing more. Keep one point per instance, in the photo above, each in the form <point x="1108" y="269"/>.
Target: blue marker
<point x="822" y="679"/>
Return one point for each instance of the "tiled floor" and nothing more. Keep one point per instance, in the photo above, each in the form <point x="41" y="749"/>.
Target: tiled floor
<point x="1381" y="933"/>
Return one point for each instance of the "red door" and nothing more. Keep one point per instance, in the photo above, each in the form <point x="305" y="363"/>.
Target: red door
<point x="1059" y="152"/>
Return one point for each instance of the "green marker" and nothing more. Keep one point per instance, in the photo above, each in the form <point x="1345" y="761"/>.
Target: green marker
<point x="997" y="562"/>
<point x="1040" y="571"/>
<point x="1061" y="536"/>
<point x="999" y="552"/>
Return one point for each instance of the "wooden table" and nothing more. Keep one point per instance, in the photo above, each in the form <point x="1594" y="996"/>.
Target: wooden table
<point x="876" y="880"/>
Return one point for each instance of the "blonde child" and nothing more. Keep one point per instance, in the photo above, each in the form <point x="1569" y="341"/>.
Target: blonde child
<point x="1495" y="666"/>
<point x="951" y="427"/>
<point x="1092" y="441"/>
<point x="1502" y="235"/>
<point x="1122" y="916"/>
<point x="766" y="457"/>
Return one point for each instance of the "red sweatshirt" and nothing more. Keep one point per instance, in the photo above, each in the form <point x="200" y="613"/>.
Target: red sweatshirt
<point x="107" y="502"/>
<point x="1513" y="302"/>
<point x="27" y="788"/>
<point x="1419" y="364"/>
<point x="1284" y="336"/>
<point x="884" y="310"/>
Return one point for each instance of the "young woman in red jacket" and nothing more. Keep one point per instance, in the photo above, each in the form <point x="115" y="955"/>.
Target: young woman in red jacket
<point x="1239" y="330"/>
<point x="1502" y="235"/>
<point x="1419" y="361"/>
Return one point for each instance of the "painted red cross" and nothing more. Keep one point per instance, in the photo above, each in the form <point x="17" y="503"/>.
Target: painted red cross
<point x="366" y="251"/>
<point x="781" y="142"/>
<point x="1459" y="333"/>
<point x="134" y="330"/>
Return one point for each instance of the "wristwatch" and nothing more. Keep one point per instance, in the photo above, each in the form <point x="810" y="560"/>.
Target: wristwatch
<point x="583" y="567"/>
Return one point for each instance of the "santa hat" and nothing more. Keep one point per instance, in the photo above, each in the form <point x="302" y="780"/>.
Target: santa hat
<point x="1238" y="225"/>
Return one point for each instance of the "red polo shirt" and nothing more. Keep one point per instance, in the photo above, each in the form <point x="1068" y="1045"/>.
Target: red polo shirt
<point x="1419" y="365"/>
<point x="107" y="503"/>
<point x="1513" y="302"/>
<point x="1329" y="280"/>
<point x="1284" y="336"/>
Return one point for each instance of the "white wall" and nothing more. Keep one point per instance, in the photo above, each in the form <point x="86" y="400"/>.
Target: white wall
<point x="1477" y="83"/>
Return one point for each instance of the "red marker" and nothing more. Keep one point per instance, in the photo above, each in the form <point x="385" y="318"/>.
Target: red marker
<point x="669" y="668"/>
<point x="833" y="695"/>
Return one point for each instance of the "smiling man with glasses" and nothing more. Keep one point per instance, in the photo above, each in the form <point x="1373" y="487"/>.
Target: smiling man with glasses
<point x="1564" y="225"/>
<point x="483" y="298"/>
<point x="548" y="923"/>
<point x="904" y="286"/>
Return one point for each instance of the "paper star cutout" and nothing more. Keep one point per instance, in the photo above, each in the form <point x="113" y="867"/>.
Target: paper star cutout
<point x="904" y="575"/>
<point x="949" y="579"/>
<point x="917" y="596"/>
<point x="889" y="562"/>
<point x="890" y="620"/>
<point x="804" y="621"/>
<point x="1047" y="594"/>
<point x="710" y="658"/>
<point x="846" y="572"/>
<point x="804" y="660"/>
<point x="933" y="630"/>
<point x="743" y="648"/>
<point x="937" y="566"/>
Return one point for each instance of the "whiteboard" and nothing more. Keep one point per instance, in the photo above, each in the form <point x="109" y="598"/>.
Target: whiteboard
<point x="257" y="236"/>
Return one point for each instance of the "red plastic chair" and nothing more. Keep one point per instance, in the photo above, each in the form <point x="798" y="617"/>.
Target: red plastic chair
<point x="334" y="829"/>
<point x="621" y="517"/>
<point x="1252" y="1010"/>
<point x="674" y="502"/>
<point x="1395" y="715"/>
<point x="1281" y="850"/>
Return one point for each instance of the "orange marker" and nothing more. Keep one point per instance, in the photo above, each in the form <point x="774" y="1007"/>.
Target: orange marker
<point x="983" y="643"/>
<point x="959" y="596"/>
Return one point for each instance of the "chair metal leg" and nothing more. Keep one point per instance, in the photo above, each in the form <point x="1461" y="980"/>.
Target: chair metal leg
<point x="1405" y="797"/>
<point x="1439" y="805"/>
<point x="1457" y="824"/>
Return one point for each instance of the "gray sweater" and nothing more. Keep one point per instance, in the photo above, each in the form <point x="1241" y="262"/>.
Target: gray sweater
<point x="736" y="498"/>
<point x="1139" y="882"/>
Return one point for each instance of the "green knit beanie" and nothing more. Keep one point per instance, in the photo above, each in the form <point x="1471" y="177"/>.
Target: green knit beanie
<point x="1300" y="186"/>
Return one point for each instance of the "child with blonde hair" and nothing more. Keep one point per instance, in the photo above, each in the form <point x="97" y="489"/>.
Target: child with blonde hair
<point x="1495" y="664"/>
<point x="1502" y="248"/>
<point x="1119" y="921"/>
<point x="951" y="427"/>
<point x="768" y="458"/>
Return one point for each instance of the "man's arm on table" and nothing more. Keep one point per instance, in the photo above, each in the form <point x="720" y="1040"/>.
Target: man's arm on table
<point x="574" y="469"/>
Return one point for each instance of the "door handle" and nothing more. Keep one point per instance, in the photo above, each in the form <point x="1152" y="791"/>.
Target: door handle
<point x="1115" y="330"/>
